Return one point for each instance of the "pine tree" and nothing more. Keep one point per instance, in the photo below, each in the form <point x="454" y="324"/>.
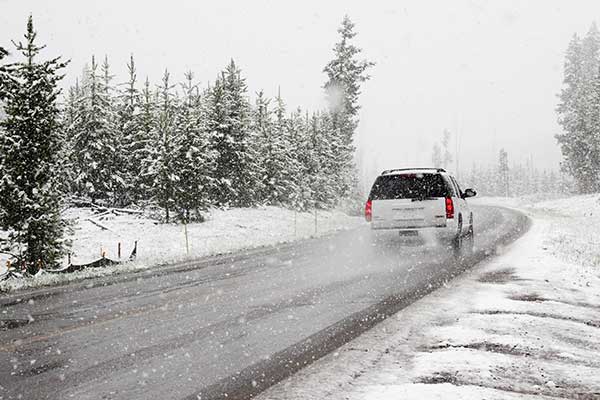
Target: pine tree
<point x="237" y="172"/>
<point x="324" y="151"/>
<point x="194" y="160"/>
<point x="345" y="73"/>
<point x="594" y="132"/>
<point x="447" y="157"/>
<point x="115" y="160"/>
<point x="94" y="137"/>
<point x="31" y="192"/>
<point x="577" y="111"/>
<point x="436" y="156"/>
<point x="163" y="150"/>
<point x="131" y="138"/>
<point x="287" y="163"/>
<point x="503" y="173"/>
<point x="262" y="126"/>
<point x="145" y="142"/>
<point x="276" y="160"/>
<point x="298" y="136"/>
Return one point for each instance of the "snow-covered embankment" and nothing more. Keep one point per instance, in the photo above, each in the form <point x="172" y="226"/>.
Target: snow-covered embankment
<point x="157" y="243"/>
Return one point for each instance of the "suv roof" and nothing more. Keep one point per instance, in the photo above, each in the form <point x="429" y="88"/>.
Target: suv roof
<point x="412" y="171"/>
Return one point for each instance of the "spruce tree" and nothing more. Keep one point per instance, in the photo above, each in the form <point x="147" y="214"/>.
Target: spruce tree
<point x="228" y="121"/>
<point x="286" y="164"/>
<point x="146" y="140"/>
<point x="116" y="161"/>
<point x="300" y="147"/>
<point x="94" y="138"/>
<point x="503" y="173"/>
<point x="163" y="149"/>
<point x="275" y="152"/>
<point x="324" y="155"/>
<point x="194" y="160"/>
<point x="31" y="192"/>
<point x="447" y="156"/>
<point x="436" y="156"/>
<point x="577" y="112"/>
<point x="345" y="74"/>
<point x="132" y="138"/>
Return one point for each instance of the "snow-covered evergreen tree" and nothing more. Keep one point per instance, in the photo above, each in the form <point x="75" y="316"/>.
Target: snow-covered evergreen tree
<point x="276" y="159"/>
<point x="447" y="156"/>
<point x="298" y="137"/>
<point x="285" y="154"/>
<point x="324" y="155"/>
<point x="163" y="150"/>
<point x="146" y="140"/>
<point x="194" y="159"/>
<point x="94" y="138"/>
<point x="503" y="173"/>
<point x="31" y="191"/>
<point x="436" y="156"/>
<point x="580" y="141"/>
<point x="131" y="138"/>
<point x="115" y="185"/>
<point x="345" y="74"/>
<point x="228" y="121"/>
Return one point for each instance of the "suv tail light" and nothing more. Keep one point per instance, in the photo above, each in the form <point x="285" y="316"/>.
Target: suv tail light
<point x="368" y="211"/>
<point x="449" y="208"/>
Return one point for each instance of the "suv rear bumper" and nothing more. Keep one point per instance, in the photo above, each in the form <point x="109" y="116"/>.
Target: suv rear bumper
<point x="443" y="232"/>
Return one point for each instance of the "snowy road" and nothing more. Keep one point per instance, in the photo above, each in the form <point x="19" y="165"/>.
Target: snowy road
<point x="230" y="324"/>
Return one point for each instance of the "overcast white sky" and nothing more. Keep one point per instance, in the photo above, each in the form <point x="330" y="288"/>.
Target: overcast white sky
<point x="489" y="70"/>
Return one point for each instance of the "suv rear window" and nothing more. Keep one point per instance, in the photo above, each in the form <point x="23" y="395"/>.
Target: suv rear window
<point x="408" y="186"/>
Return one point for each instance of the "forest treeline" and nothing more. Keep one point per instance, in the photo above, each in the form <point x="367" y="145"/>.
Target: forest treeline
<point x="171" y="144"/>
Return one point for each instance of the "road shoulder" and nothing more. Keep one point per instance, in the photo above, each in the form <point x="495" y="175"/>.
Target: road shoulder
<point x="525" y="324"/>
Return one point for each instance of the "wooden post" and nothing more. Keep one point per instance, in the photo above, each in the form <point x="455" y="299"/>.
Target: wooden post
<point x="187" y="243"/>
<point x="69" y="259"/>
<point x="119" y="250"/>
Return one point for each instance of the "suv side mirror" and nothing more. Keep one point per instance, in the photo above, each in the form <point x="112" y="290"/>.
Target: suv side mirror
<point x="469" y="193"/>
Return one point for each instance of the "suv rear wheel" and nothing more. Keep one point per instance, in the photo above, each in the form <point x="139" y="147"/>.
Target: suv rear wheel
<point x="462" y="244"/>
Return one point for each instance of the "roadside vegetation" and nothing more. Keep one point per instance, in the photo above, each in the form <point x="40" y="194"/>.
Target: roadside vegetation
<point x="178" y="147"/>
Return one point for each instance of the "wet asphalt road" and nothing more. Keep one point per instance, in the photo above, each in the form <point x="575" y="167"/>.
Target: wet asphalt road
<point x="228" y="324"/>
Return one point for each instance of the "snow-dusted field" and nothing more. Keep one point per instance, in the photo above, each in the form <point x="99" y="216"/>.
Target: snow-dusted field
<point x="224" y="231"/>
<point x="525" y="325"/>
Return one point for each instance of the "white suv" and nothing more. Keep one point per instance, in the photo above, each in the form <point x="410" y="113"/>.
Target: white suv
<point x="420" y="201"/>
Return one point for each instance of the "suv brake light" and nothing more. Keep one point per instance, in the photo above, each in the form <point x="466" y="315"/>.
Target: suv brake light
<point x="368" y="211"/>
<point x="449" y="208"/>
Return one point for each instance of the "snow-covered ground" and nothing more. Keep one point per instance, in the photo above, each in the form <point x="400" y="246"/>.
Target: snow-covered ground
<point x="224" y="231"/>
<point x="524" y="325"/>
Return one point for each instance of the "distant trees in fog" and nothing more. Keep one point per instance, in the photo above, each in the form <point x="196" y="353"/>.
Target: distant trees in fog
<point x="515" y="179"/>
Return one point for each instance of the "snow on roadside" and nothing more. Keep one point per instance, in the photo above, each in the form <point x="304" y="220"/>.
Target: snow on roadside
<point x="224" y="231"/>
<point x="524" y="325"/>
<point x="575" y="232"/>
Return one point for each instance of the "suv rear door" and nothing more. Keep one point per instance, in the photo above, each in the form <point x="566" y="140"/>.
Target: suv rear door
<point x="461" y="205"/>
<point x="409" y="201"/>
